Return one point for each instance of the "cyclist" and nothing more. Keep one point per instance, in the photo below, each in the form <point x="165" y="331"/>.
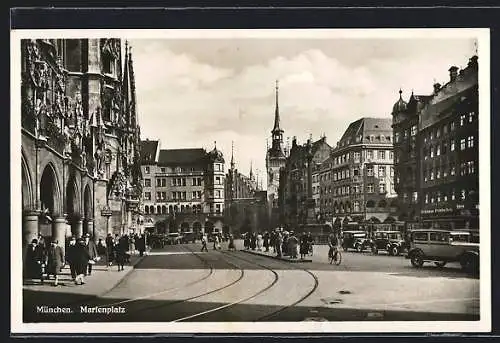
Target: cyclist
<point x="333" y="243"/>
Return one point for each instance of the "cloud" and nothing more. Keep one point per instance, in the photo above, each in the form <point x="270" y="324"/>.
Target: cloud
<point x="185" y="101"/>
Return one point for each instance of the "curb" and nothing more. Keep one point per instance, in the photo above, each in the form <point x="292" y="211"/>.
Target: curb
<point x="276" y="257"/>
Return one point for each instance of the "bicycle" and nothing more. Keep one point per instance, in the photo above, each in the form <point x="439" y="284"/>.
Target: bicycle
<point x="336" y="257"/>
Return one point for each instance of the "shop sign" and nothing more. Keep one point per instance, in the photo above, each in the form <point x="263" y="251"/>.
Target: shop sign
<point x="106" y="212"/>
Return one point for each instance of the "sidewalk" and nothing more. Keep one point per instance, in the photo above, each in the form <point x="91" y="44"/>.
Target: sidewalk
<point x="270" y="254"/>
<point x="102" y="280"/>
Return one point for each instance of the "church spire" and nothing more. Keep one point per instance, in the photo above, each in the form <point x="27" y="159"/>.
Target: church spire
<point x="276" y="127"/>
<point x="251" y="171"/>
<point x="232" y="155"/>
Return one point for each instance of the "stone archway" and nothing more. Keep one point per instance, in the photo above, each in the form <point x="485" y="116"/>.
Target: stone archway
<point x="209" y="227"/>
<point x="30" y="217"/>
<point x="197" y="227"/>
<point x="184" y="227"/>
<point x="73" y="208"/>
<point x="26" y="187"/>
<point x="88" y="211"/>
<point x="51" y="223"/>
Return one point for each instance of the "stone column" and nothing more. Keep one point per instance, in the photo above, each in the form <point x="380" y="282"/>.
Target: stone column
<point x="59" y="232"/>
<point x="89" y="224"/>
<point x="77" y="228"/>
<point x="30" y="230"/>
<point x="30" y="227"/>
<point x="109" y="229"/>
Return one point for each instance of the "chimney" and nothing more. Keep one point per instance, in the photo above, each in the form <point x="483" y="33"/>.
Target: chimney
<point x="437" y="87"/>
<point x="453" y="73"/>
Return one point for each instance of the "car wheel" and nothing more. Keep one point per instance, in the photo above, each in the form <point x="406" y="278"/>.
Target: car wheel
<point x="389" y="250"/>
<point x="470" y="263"/>
<point x="359" y="248"/>
<point x="345" y="247"/>
<point x="375" y="251"/>
<point x="417" y="259"/>
<point x="395" y="251"/>
<point x="440" y="264"/>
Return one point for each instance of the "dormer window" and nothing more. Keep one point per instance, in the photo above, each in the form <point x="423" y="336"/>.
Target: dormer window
<point x="382" y="138"/>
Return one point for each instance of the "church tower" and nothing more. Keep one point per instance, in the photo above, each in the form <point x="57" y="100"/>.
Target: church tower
<point x="275" y="160"/>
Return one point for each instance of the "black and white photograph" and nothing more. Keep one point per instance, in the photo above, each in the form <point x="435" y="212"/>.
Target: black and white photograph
<point x="250" y="180"/>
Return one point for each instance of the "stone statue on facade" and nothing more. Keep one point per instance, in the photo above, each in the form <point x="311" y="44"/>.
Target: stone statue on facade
<point x="99" y="160"/>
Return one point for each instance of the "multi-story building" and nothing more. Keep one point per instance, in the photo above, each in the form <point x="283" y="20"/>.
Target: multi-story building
<point x="79" y="138"/>
<point x="316" y="189"/>
<point x="356" y="181"/>
<point x="296" y="179"/>
<point x="407" y="159"/>
<point x="275" y="160"/>
<point x="447" y="192"/>
<point x="183" y="188"/>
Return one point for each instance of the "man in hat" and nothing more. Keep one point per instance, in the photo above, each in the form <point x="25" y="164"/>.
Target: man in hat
<point x="55" y="260"/>
<point x="34" y="260"/>
<point x="71" y="257"/>
<point x="92" y="252"/>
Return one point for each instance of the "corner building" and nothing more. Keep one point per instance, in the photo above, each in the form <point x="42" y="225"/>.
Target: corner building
<point x="356" y="181"/>
<point x="80" y="139"/>
<point x="183" y="189"/>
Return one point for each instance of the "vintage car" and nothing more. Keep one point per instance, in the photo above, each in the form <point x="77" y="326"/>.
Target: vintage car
<point x="390" y="241"/>
<point x="188" y="236"/>
<point x="174" y="238"/>
<point x="443" y="246"/>
<point x="355" y="240"/>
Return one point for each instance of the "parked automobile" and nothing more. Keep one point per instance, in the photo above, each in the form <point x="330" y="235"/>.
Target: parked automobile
<point x="443" y="246"/>
<point x="355" y="240"/>
<point x="157" y="240"/>
<point x="174" y="238"/>
<point x="188" y="236"/>
<point x="390" y="241"/>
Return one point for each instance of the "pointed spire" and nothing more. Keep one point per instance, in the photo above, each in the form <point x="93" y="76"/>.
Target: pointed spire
<point x="251" y="171"/>
<point x="232" y="154"/>
<point x="400" y="93"/>
<point x="277" y="111"/>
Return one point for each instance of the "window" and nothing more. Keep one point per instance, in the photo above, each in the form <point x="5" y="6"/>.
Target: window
<point x="355" y="189"/>
<point x="369" y="170"/>
<point x="184" y="196"/>
<point x="335" y="176"/>
<point x="369" y="188"/>
<point x="438" y="132"/>
<point x="471" y="116"/>
<point x="355" y="172"/>
<point x="397" y="137"/>
<point x="391" y="169"/>
<point x="452" y="195"/>
<point x="445" y="147"/>
<point x="462" y="144"/>
<point x="217" y="194"/>
<point x="158" y="182"/>
<point x="462" y="120"/>
<point x="445" y="197"/>
<point x="463" y="168"/>
<point x="452" y="145"/>
<point x="146" y="170"/>
<point x="420" y="236"/>
<point x="357" y="156"/>
<point x="381" y="171"/>
<point x="381" y="188"/>
<point x="163" y="169"/>
<point x="356" y="206"/>
<point x="431" y="135"/>
<point x="147" y="195"/>
<point x="445" y="129"/>
<point x="452" y="126"/>
<point x="438" y="173"/>
<point x="347" y="172"/>
<point x="470" y="141"/>
<point x="439" y="236"/>
<point x="452" y="170"/>
<point x="470" y="167"/>
<point x="217" y="180"/>
<point x="431" y="151"/>
<point x="426" y="173"/>
<point x="174" y="195"/>
<point x="217" y="208"/>
<point x="426" y="198"/>
<point x="217" y="167"/>
<point x="369" y="155"/>
<point x="184" y="181"/>
<point x="445" y="170"/>
<point x="372" y="138"/>
<point x="414" y="197"/>
<point x="391" y="155"/>
<point x="438" y="150"/>
<point x="381" y="155"/>
<point x="432" y="174"/>
<point x="414" y="130"/>
<point x="147" y="182"/>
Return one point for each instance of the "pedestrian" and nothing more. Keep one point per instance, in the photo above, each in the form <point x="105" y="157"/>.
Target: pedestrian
<point x="279" y="243"/>
<point x="35" y="257"/>
<point x="81" y="261"/>
<point x="253" y="241"/>
<point x="266" y="241"/>
<point x="55" y="261"/>
<point x="141" y="244"/>
<point x="246" y="241"/>
<point x="272" y="241"/>
<point x="292" y="245"/>
<point x="131" y="244"/>
<point x="216" y="242"/>
<point x="109" y="249"/>
<point x="101" y="249"/>
<point x="284" y="244"/>
<point x="71" y="257"/>
<point x="310" y="242"/>
<point x="204" y="243"/>
<point x="92" y="251"/>
<point x="260" y="242"/>
<point x="120" y="252"/>
<point x="231" y="246"/>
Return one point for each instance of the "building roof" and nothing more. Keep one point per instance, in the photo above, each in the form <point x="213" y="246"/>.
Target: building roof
<point x="149" y="150"/>
<point x="182" y="156"/>
<point x="360" y="131"/>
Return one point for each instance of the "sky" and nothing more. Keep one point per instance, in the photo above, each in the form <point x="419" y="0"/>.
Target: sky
<point x="195" y="92"/>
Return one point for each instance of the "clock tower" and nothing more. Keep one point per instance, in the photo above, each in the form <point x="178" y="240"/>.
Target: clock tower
<point x="275" y="160"/>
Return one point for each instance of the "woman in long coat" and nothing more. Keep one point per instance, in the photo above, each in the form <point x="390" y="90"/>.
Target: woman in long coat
<point x="304" y="245"/>
<point x="82" y="258"/>
<point x="120" y="252"/>
<point x="55" y="261"/>
<point x="231" y="246"/>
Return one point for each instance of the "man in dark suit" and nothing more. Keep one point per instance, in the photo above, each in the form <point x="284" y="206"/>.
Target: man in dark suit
<point x="92" y="252"/>
<point x="71" y="257"/>
<point x="55" y="260"/>
<point x="35" y="257"/>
